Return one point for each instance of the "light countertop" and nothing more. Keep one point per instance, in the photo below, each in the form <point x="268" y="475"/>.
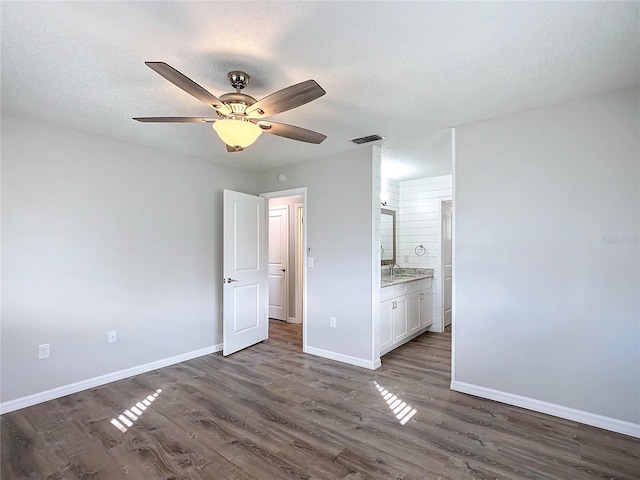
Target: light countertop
<point x="403" y="275"/>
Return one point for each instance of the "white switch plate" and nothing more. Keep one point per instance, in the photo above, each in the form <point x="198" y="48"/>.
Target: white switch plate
<point x="111" y="337"/>
<point x="309" y="261"/>
<point x="332" y="322"/>
<point x="44" y="351"/>
<point x="406" y="259"/>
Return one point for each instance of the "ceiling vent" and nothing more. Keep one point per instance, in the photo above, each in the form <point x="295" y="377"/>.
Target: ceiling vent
<point x="367" y="139"/>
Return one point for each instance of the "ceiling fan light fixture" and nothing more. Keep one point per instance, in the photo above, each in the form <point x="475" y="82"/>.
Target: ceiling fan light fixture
<point x="237" y="133"/>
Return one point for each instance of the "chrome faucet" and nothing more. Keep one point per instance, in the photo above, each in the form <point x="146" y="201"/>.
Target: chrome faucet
<point x="391" y="265"/>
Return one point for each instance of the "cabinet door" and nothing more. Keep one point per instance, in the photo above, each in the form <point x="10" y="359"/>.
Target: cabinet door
<point x="413" y="312"/>
<point x="386" y="331"/>
<point x="426" y="308"/>
<point x="400" y="328"/>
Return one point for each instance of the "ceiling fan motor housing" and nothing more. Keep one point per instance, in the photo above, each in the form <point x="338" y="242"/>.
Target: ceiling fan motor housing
<point x="237" y="102"/>
<point x="238" y="79"/>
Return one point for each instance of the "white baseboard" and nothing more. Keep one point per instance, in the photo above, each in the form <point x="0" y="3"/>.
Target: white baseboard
<point x="293" y="320"/>
<point x="58" y="392"/>
<point x="339" y="357"/>
<point x="600" y="421"/>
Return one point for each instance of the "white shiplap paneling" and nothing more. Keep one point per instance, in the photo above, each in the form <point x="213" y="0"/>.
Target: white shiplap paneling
<point x="419" y="224"/>
<point x="390" y="191"/>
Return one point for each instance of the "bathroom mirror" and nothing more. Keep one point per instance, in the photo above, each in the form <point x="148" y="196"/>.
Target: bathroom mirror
<point x="388" y="237"/>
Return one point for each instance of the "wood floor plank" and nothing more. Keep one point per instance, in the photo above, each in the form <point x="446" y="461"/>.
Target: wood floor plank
<point x="271" y="412"/>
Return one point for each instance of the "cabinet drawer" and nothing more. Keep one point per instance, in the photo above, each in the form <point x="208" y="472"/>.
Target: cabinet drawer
<point x="398" y="290"/>
<point x="418" y="285"/>
<point x="395" y="291"/>
<point x="386" y="293"/>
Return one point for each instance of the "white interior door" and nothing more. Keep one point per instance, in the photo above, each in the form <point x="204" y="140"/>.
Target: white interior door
<point x="447" y="271"/>
<point x="245" y="284"/>
<point x="278" y="262"/>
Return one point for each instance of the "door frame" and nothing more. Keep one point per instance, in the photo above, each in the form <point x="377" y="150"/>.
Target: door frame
<point x="301" y="191"/>
<point x="441" y="201"/>
<point x="299" y="262"/>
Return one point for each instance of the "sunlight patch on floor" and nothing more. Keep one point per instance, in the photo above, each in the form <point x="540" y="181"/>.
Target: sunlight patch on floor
<point x="400" y="409"/>
<point x="125" y="420"/>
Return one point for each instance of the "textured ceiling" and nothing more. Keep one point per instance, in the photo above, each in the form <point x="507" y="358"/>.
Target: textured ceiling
<point x="404" y="70"/>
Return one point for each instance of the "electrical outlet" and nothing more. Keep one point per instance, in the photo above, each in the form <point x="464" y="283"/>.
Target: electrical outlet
<point x="406" y="259"/>
<point x="309" y="261"/>
<point x="44" y="351"/>
<point x="332" y="322"/>
<point x="111" y="337"/>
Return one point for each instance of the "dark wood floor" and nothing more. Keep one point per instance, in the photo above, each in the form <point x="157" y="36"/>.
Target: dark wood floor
<point x="271" y="412"/>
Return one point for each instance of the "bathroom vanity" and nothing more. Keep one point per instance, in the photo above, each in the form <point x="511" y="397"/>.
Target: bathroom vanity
<point x="405" y="306"/>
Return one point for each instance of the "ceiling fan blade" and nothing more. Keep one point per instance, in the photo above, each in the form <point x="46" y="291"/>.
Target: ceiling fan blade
<point x="176" y="119"/>
<point x="294" y="133"/>
<point x="231" y="149"/>
<point x="188" y="85"/>
<point x="286" y="99"/>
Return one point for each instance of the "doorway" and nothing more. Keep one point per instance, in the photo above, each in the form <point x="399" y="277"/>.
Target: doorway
<point x="287" y="269"/>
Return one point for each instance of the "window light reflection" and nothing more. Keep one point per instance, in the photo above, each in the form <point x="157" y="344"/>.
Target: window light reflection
<point x="400" y="409"/>
<point x="125" y="420"/>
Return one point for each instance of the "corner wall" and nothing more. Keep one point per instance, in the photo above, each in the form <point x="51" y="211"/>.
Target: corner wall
<point x="547" y="260"/>
<point x="101" y="235"/>
<point x="340" y="225"/>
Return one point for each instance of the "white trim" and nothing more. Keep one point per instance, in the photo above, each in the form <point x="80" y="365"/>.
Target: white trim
<point x="292" y="192"/>
<point x="299" y="216"/>
<point x="339" y="357"/>
<point x="600" y="421"/>
<point x="453" y="254"/>
<point x="376" y="188"/>
<point x="441" y="200"/>
<point x="58" y="392"/>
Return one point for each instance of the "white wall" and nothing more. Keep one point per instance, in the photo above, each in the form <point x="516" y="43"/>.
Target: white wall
<point x="339" y="222"/>
<point x="390" y="192"/>
<point x="419" y="223"/>
<point x="547" y="259"/>
<point x="101" y="235"/>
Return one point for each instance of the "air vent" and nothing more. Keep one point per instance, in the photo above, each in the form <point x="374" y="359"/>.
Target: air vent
<point x="367" y="139"/>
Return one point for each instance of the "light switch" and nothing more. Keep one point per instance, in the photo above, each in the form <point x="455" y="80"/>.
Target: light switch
<point x="309" y="261"/>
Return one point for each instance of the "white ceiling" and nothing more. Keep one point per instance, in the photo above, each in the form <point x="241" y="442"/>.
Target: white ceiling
<point x="404" y="70"/>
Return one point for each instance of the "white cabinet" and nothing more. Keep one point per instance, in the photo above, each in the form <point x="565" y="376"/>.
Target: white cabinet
<point x="426" y="308"/>
<point x="413" y="312"/>
<point x="386" y="319"/>
<point x="405" y="311"/>
<point x="399" y="318"/>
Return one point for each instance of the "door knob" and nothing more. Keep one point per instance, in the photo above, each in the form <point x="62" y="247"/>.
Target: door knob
<point x="283" y="269"/>
<point x="231" y="280"/>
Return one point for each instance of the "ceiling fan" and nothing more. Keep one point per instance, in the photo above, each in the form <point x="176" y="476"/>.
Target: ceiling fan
<point x="240" y="116"/>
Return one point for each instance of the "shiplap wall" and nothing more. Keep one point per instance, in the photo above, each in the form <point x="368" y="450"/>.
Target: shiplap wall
<point x="390" y="191"/>
<point x="419" y="224"/>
